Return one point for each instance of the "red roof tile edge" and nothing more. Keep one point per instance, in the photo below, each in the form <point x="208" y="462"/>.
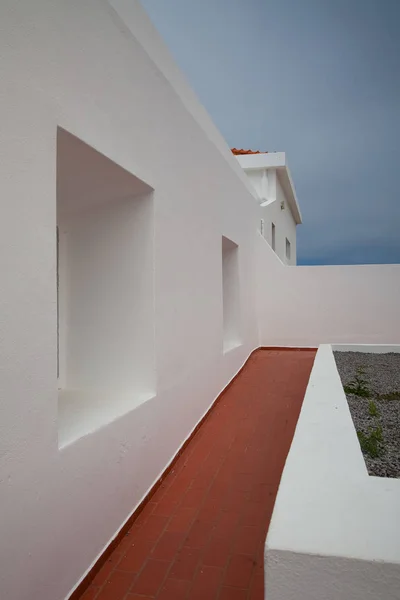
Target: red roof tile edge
<point x="239" y="152"/>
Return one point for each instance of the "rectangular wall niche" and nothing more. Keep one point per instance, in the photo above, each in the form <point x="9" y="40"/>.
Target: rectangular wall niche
<point x="288" y="249"/>
<point x="105" y="289"/>
<point x="230" y="295"/>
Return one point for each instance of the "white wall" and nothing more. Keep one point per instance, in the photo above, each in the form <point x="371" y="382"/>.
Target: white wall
<point x="140" y="25"/>
<point x="285" y="226"/>
<point x="332" y="304"/>
<point x="75" y="65"/>
<point x="334" y="532"/>
<point x="261" y="181"/>
<point x="268" y="188"/>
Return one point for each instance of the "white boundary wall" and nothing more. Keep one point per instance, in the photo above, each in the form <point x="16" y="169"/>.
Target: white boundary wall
<point x="324" y="305"/>
<point x="335" y="530"/>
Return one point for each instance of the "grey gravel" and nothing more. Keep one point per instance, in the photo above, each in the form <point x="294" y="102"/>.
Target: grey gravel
<point x="382" y="374"/>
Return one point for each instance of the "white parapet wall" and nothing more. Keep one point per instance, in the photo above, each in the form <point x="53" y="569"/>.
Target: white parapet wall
<point x="335" y="530"/>
<point x="345" y="304"/>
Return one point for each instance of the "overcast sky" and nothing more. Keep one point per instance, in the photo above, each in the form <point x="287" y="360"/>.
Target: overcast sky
<point x="318" y="79"/>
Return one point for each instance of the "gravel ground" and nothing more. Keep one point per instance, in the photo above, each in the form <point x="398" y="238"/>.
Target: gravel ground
<point x="381" y="376"/>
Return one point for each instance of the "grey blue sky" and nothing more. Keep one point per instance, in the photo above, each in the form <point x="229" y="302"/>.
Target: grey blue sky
<point x="318" y="79"/>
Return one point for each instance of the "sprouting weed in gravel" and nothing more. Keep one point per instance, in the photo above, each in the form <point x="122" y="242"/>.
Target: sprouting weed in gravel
<point x="358" y="386"/>
<point x="373" y="409"/>
<point x="390" y="396"/>
<point x="382" y="374"/>
<point x="371" y="444"/>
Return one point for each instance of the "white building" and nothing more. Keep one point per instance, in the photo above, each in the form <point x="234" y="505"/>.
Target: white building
<point x="274" y="190"/>
<point x="165" y="286"/>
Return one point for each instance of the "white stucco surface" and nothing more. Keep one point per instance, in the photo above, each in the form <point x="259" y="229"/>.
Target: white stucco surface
<point x="285" y="226"/>
<point x="270" y="177"/>
<point x="352" y="304"/>
<point x="75" y="65"/>
<point x="137" y="21"/>
<point x="72" y="472"/>
<point x="335" y="531"/>
<point x="272" y="162"/>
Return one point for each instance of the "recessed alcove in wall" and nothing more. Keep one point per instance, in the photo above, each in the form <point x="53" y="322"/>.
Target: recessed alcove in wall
<point x="105" y="289"/>
<point x="230" y="295"/>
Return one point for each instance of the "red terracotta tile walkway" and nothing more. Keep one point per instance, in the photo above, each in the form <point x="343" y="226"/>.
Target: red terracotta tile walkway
<point x="201" y="537"/>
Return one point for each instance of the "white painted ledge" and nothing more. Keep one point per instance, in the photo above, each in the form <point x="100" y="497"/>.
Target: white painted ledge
<point x="82" y="412"/>
<point x="228" y="346"/>
<point x="335" y="531"/>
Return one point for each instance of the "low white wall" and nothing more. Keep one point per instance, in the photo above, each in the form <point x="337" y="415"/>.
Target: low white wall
<point x="332" y="304"/>
<point x="335" y="530"/>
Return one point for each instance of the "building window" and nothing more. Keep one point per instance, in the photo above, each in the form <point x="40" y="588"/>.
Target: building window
<point x="287" y="249"/>
<point x="230" y="295"/>
<point x="273" y="236"/>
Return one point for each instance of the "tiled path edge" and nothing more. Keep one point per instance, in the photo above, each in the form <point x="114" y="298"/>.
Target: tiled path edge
<point x="202" y="534"/>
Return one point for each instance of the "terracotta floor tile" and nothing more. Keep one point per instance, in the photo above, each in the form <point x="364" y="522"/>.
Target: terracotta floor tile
<point x="227" y="524"/>
<point x="174" y="589"/>
<point x="116" y="586"/>
<point x="217" y="552"/>
<point x="168" y="545"/>
<point x="239" y="571"/>
<point x="146" y="512"/>
<point x="151" y="577"/>
<point x="229" y="593"/>
<point x="210" y="510"/>
<point x="202" y="535"/>
<point x="206" y="583"/>
<point x="247" y="540"/>
<point x="152" y="528"/>
<point x="185" y="564"/>
<point x="136" y="556"/>
<point x="167" y="506"/>
<point x="183" y="520"/>
<point x="105" y="571"/>
<point x="91" y="593"/>
<point x="193" y="497"/>
<point x="257" y="587"/>
<point x="199" y="534"/>
<point x="126" y="542"/>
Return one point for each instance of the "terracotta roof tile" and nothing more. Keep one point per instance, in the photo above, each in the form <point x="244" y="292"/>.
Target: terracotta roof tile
<point x="239" y="152"/>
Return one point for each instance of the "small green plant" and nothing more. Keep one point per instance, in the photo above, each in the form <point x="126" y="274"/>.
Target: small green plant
<point x="371" y="443"/>
<point x="358" y="386"/>
<point x="390" y="396"/>
<point x="373" y="409"/>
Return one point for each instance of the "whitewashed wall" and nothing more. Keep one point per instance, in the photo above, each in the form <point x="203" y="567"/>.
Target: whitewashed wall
<point x="285" y="226"/>
<point x="331" y="304"/>
<point x="267" y="186"/>
<point x="76" y="65"/>
<point x="334" y="532"/>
